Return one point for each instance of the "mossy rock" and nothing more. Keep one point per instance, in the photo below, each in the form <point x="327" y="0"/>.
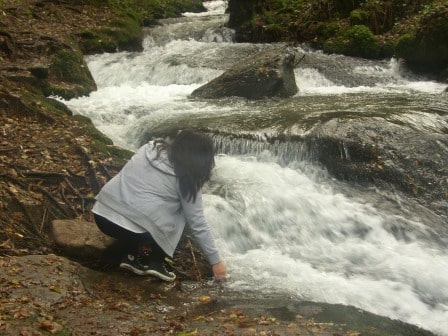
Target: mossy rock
<point x="101" y="143"/>
<point x="358" y="41"/>
<point x="64" y="90"/>
<point x="69" y="75"/>
<point x="87" y="128"/>
<point x="124" y="34"/>
<point x="92" y="42"/>
<point x="69" y="66"/>
<point x="31" y="104"/>
<point x="58" y="106"/>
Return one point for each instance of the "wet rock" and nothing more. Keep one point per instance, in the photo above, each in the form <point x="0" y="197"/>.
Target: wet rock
<point x="385" y="154"/>
<point x="78" y="238"/>
<point x="57" y="295"/>
<point x="267" y="74"/>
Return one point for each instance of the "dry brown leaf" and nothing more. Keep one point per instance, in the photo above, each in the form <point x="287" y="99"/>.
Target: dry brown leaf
<point x="50" y="326"/>
<point x="205" y="299"/>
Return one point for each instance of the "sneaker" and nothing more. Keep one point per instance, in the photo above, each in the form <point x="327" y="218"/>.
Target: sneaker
<point x="158" y="269"/>
<point x="134" y="264"/>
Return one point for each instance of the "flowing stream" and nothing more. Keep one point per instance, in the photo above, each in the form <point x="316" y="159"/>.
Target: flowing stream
<point x="282" y="223"/>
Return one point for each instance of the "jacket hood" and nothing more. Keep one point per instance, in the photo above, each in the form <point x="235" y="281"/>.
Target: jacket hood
<point x="162" y="162"/>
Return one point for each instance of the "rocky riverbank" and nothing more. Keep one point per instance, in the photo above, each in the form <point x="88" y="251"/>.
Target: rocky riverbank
<point x="51" y="295"/>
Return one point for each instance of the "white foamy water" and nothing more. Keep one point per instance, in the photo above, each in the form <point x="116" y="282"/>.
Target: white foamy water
<point x="213" y="8"/>
<point x="389" y="78"/>
<point x="283" y="230"/>
<point x="287" y="228"/>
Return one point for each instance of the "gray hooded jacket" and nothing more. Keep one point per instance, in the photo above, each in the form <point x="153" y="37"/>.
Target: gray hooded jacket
<point x="145" y="196"/>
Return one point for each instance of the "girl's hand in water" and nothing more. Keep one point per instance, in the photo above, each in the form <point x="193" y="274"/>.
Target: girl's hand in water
<point x="219" y="271"/>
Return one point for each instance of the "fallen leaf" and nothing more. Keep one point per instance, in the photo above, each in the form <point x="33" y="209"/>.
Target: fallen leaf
<point x="55" y="289"/>
<point x="244" y="323"/>
<point x="205" y="299"/>
<point x="21" y="313"/>
<point x="188" y="333"/>
<point x="51" y="326"/>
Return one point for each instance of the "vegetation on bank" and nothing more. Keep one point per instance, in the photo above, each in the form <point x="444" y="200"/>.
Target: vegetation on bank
<point x="414" y="30"/>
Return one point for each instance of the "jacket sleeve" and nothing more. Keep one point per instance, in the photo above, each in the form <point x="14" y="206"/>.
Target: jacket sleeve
<point x="194" y="213"/>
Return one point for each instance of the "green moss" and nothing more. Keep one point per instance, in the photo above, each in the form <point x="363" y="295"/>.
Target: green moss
<point x="87" y="128"/>
<point x="125" y="33"/>
<point x="68" y="76"/>
<point x="69" y="66"/>
<point x="119" y="153"/>
<point x="35" y="105"/>
<point x="406" y="45"/>
<point x="88" y="35"/>
<point x="58" y="106"/>
<point x="358" y="17"/>
<point x="101" y="143"/>
<point x="92" y="42"/>
<point x="326" y="30"/>
<point x="356" y="41"/>
<point x="65" y="91"/>
<point x="388" y="47"/>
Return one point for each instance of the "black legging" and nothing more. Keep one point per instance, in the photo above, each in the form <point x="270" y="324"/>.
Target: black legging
<point x="127" y="242"/>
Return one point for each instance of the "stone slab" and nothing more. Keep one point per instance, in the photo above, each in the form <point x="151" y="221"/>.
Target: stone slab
<point x="79" y="238"/>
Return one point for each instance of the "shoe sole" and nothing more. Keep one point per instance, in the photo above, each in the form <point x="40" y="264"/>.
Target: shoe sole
<point x="132" y="269"/>
<point x="161" y="276"/>
<point x="149" y="272"/>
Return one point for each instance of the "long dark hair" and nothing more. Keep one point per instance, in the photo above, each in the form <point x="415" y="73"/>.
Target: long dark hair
<point x="192" y="156"/>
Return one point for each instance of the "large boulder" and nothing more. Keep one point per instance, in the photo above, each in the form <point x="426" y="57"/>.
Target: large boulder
<point x="371" y="150"/>
<point x="266" y="74"/>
